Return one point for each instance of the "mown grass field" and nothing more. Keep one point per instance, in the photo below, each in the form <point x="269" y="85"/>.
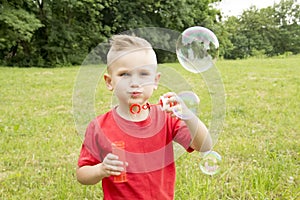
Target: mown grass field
<point x="259" y="144"/>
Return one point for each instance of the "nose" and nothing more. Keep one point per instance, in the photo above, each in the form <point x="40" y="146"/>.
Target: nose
<point x="135" y="81"/>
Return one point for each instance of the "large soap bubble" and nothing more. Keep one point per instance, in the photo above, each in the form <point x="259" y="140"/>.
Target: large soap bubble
<point x="191" y="101"/>
<point x="197" y="49"/>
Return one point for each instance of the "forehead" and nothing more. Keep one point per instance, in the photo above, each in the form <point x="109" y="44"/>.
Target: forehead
<point x="135" y="59"/>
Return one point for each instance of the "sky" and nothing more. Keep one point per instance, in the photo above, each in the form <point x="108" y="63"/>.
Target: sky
<point x="236" y="7"/>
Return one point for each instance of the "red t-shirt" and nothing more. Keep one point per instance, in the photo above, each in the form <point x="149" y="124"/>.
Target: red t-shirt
<point x="148" y="150"/>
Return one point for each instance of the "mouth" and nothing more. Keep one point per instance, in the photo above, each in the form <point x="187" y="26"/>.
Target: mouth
<point x="135" y="94"/>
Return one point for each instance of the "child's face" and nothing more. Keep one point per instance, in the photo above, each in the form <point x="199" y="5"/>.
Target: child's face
<point x="133" y="77"/>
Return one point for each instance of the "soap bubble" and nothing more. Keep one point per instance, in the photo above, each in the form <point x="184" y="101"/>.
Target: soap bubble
<point x="210" y="163"/>
<point x="191" y="101"/>
<point x="197" y="49"/>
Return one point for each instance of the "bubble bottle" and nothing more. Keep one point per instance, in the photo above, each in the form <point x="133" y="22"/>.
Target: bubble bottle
<point x="118" y="148"/>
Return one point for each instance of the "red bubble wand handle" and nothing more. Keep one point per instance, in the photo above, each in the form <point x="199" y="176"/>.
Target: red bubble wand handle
<point x="163" y="102"/>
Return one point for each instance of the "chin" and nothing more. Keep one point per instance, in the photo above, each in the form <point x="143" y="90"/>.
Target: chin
<point x="136" y="101"/>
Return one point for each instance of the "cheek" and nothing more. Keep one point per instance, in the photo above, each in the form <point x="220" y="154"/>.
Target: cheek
<point x="119" y="83"/>
<point x="148" y="81"/>
<point x="149" y="90"/>
<point x="121" y="86"/>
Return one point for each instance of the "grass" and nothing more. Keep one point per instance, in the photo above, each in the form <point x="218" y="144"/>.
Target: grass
<point x="259" y="143"/>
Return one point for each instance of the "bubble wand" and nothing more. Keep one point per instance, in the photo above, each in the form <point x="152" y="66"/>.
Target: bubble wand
<point x="163" y="102"/>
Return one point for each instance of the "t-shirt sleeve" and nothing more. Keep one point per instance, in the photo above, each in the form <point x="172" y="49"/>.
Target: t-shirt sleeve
<point x="88" y="154"/>
<point x="86" y="158"/>
<point x="183" y="136"/>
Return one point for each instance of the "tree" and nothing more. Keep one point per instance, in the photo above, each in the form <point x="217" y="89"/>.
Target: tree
<point x="52" y="33"/>
<point x="238" y="40"/>
<point x="174" y="15"/>
<point x="269" y="31"/>
<point x="17" y="29"/>
<point x="287" y="16"/>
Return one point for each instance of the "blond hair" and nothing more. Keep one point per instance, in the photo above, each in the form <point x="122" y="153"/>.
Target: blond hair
<point x="123" y="44"/>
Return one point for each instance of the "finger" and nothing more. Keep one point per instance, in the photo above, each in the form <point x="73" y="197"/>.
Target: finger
<point x="172" y="99"/>
<point x="111" y="156"/>
<point x="177" y="109"/>
<point x="114" y="162"/>
<point x="173" y="106"/>
<point x="169" y="94"/>
<point x="114" y="173"/>
<point x="173" y="115"/>
<point x="112" y="170"/>
<point x="115" y="169"/>
<point x="113" y="159"/>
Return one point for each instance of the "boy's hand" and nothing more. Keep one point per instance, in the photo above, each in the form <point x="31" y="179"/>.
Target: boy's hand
<point x="112" y="166"/>
<point x="176" y="105"/>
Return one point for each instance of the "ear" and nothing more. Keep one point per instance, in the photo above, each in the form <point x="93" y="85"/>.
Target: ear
<point x="108" y="82"/>
<point x="157" y="77"/>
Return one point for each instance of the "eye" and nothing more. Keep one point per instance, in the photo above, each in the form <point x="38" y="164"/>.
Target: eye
<point x="124" y="74"/>
<point x="145" y="73"/>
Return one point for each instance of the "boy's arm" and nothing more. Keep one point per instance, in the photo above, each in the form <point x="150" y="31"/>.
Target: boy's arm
<point x="90" y="175"/>
<point x="201" y="139"/>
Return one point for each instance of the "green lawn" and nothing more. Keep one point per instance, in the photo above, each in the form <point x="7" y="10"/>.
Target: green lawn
<point x="259" y="144"/>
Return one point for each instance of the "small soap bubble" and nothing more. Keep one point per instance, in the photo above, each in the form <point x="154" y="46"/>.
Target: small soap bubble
<point x="197" y="49"/>
<point x="191" y="101"/>
<point x="210" y="162"/>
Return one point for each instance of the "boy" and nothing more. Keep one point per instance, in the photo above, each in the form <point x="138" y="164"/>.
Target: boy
<point x="148" y="132"/>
